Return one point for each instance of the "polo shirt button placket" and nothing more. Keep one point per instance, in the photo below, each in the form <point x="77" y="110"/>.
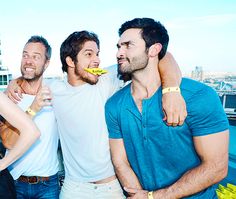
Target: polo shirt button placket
<point x="144" y="124"/>
<point x="144" y="133"/>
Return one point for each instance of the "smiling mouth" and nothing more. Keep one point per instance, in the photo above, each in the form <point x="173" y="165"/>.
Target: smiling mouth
<point x="29" y="69"/>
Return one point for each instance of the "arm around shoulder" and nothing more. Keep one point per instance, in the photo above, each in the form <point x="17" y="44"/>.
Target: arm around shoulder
<point x="14" y="91"/>
<point x="172" y="101"/>
<point x="169" y="71"/>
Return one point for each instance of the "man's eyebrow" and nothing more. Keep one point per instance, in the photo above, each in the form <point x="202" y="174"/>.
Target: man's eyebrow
<point x="33" y="52"/>
<point x="88" y="49"/>
<point x="91" y="50"/>
<point x="125" y="43"/>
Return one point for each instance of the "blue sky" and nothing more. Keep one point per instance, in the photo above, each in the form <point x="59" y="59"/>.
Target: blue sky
<point x="202" y="32"/>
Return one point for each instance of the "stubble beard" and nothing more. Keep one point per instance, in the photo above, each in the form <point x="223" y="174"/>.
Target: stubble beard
<point x="34" y="77"/>
<point x="83" y="76"/>
<point x="136" y="64"/>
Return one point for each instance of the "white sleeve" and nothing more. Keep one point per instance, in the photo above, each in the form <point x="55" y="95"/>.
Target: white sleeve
<point x="115" y="83"/>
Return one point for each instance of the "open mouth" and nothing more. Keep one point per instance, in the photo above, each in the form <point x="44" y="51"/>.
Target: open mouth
<point x="29" y="69"/>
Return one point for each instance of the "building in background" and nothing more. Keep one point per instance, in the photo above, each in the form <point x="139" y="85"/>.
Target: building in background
<point x="5" y="75"/>
<point x="197" y="74"/>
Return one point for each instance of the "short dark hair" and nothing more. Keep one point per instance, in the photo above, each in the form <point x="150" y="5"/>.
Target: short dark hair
<point x="42" y="40"/>
<point x="151" y="31"/>
<point x="73" y="45"/>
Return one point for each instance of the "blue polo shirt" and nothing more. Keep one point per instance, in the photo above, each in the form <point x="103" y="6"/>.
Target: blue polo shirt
<point x="159" y="154"/>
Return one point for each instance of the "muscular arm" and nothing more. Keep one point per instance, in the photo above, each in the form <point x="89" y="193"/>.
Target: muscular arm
<point x="28" y="131"/>
<point x="213" y="151"/>
<point x="169" y="71"/>
<point x="173" y="103"/>
<point x="121" y="164"/>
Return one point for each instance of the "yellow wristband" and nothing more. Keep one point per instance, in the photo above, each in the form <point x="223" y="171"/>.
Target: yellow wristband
<point x="170" y="89"/>
<point x="31" y="112"/>
<point x="150" y="195"/>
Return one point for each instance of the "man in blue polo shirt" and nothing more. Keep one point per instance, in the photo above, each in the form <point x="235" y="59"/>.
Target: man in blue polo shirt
<point x="151" y="159"/>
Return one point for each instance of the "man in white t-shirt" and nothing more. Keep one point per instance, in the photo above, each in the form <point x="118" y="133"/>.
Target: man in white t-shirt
<point x="35" y="173"/>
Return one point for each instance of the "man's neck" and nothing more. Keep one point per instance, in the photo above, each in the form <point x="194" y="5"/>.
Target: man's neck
<point x="73" y="80"/>
<point x="31" y="87"/>
<point x="145" y="83"/>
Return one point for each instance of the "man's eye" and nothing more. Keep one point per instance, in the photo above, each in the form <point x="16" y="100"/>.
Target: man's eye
<point x="25" y="56"/>
<point x="35" y="57"/>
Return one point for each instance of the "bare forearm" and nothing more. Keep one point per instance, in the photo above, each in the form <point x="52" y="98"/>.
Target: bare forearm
<point x="127" y="177"/>
<point x="20" y="147"/>
<point x="193" y="181"/>
<point x="28" y="135"/>
<point x="124" y="172"/>
<point x="169" y="71"/>
<point x="28" y="131"/>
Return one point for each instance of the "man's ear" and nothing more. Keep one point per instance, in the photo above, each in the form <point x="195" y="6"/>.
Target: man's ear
<point x="46" y="64"/>
<point x="154" y="50"/>
<point x="70" y="62"/>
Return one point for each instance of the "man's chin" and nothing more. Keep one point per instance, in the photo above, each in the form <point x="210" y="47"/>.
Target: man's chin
<point x="123" y="71"/>
<point x="30" y="78"/>
<point x="27" y="77"/>
<point x="92" y="81"/>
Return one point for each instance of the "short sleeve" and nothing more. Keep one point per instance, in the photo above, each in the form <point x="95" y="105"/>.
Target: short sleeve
<point x="205" y="113"/>
<point x="111" y="114"/>
<point x="115" y="83"/>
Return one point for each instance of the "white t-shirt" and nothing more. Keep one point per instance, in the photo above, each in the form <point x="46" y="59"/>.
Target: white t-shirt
<point x="41" y="159"/>
<point x="82" y="128"/>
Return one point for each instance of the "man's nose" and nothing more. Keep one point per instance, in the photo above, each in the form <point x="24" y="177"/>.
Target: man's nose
<point x="97" y="60"/>
<point x="120" y="52"/>
<point x="29" y="60"/>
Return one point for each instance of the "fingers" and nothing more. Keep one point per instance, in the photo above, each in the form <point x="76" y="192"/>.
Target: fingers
<point x="176" y="118"/>
<point x="42" y="99"/>
<point x="136" y="193"/>
<point x="13" y="99"/>
<point x="182" y="117"/>
<point x="171" y="122"/>
<point x="45" y="96"/>
<point x="174" y="109"/>
<point x="14" y="96"/>
<point x="131" y="190"/>
<point x="19" y="92"/>
<point x="165" y="117"/>
<point x="14" y="91"/>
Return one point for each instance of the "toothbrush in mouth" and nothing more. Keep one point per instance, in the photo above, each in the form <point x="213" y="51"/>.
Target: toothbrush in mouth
<point x="96" y="71"/>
